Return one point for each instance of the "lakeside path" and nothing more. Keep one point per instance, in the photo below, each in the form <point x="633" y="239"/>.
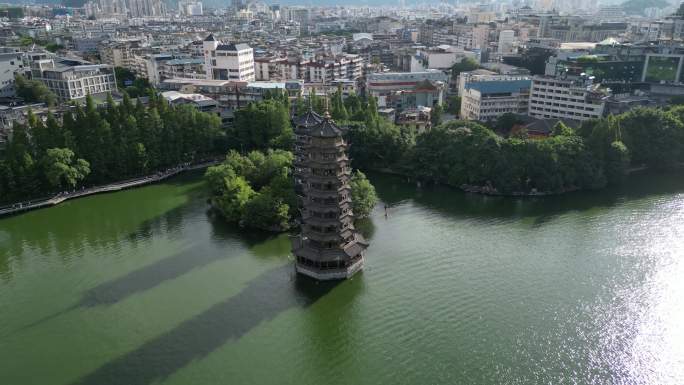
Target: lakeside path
<point x="20" y="207"/>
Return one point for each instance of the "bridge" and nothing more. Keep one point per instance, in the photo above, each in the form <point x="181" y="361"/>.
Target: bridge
<point x="20" y="207"/>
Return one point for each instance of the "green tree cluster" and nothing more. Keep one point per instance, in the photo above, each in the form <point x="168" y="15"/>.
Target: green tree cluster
<point x="364" y="197"/>
<point x="100" y="145"/>
<point x="263" y="125"/>
<point x="467" y="64"/>
<point x="598" y="153"/>
<point x="34" y="91"/>
<point x="128" y="81"/>
<point x="255" y="190"/>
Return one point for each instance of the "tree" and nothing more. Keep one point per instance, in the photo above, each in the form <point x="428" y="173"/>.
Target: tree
<point x="62" y="171"/>
<point x="236" y="193"/>
<point x="133" y="85"/>
<point x="364" y="197"/>
<point x="561" y="128"/>
<point x="454" y="105"/>
<point x="54" y="47"/>
<point x="436" y="115"/>
<point x="34" y="91"/>
<point x="505" y="122"/>
<point x="654" y="137"/>
<point x="264" y="125"/>
<point x="467" y="64"/>
<point x="267" y="212"/>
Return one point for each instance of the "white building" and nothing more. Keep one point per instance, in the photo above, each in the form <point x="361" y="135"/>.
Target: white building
<point x="228" y="61"/>
<point x="575" y="99"/>
<point x="11" y="63"/>
<point x="441" y="57"/>
<point x="506" y="41"/>
<point x="72" y="79"/>
<point x="487" y="100"/>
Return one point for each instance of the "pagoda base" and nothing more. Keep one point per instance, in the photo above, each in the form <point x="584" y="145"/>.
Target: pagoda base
<point x="330" y="274"/>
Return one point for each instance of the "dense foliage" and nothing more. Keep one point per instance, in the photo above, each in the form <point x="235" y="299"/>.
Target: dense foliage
<point x="263" y="125"/>
<point x="128" y="81"/>
<point x="96" y="146"/>
<point x="364" y="197"/>
<point x="256" y="190"/>
<point x="598" y="153"/>
<point x="467" y="64"/>
<point x="34" y="91"/>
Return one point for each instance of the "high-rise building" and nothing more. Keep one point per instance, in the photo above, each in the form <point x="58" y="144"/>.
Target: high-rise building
<point x="328" y="247"/>
<point x="142" y="8"/>
<point x="228" y="61"/>
<point x="506" y="41"/>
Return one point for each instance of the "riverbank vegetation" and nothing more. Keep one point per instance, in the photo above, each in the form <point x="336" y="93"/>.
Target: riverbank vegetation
<point x="116" y="142"/>
<point x="257" y="190"/>
<point x="467" y="154"/>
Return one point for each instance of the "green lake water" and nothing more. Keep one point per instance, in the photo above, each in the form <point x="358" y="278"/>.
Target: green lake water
<point x="146" y="287"/>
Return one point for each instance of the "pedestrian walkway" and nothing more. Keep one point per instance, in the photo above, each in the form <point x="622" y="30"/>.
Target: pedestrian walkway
<point x="63" y="196"/>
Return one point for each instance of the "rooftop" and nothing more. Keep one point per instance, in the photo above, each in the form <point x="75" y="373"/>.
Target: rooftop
<point x="499" y="86"/>
<point x="233" y="47"/>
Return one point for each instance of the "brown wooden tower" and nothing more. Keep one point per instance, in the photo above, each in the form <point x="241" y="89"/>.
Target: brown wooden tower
<point x="328" y="247"/>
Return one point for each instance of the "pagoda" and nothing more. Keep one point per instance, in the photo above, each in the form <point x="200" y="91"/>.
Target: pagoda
<point x="328" y="247"/>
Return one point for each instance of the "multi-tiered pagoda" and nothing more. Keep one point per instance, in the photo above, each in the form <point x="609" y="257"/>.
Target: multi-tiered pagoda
<point x="328" y="246"/>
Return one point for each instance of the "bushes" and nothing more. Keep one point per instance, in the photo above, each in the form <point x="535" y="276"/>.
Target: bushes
<point x="256" y="190"/>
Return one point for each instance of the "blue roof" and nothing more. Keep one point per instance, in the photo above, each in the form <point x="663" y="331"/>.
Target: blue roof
<point x="499" y="86"/>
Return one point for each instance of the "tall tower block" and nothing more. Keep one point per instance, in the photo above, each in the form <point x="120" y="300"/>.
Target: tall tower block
<point x="328" y="247"/>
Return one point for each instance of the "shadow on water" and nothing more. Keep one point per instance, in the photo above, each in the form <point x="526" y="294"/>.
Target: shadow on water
<point x="225" y="240"/>
<point x="263" y="299"/>
<point x="395" y="190"/>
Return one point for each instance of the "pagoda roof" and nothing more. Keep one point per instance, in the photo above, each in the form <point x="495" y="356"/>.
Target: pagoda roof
<point x="326" y="129"/>
<point x="307" y="120"/>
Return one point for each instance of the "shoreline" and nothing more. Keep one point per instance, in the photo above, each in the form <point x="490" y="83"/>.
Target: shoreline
<point x="39" y="203"/>
<point x="490" y="191"/>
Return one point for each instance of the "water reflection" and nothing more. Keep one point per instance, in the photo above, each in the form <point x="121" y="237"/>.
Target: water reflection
<point x="450" y="201"/>
<point x="96" y="223"/>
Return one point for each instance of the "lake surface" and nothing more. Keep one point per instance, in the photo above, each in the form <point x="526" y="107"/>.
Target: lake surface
<point x="145" y="287"/>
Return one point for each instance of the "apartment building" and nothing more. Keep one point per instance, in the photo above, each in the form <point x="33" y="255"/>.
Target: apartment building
<point x="575" y="99"/>
<point x="11" y="63"/>
<point x="73" y="79"/>
<point x="487" y="100"/>
<point x="228" y="61"/>
<point x="344" y="66"/>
